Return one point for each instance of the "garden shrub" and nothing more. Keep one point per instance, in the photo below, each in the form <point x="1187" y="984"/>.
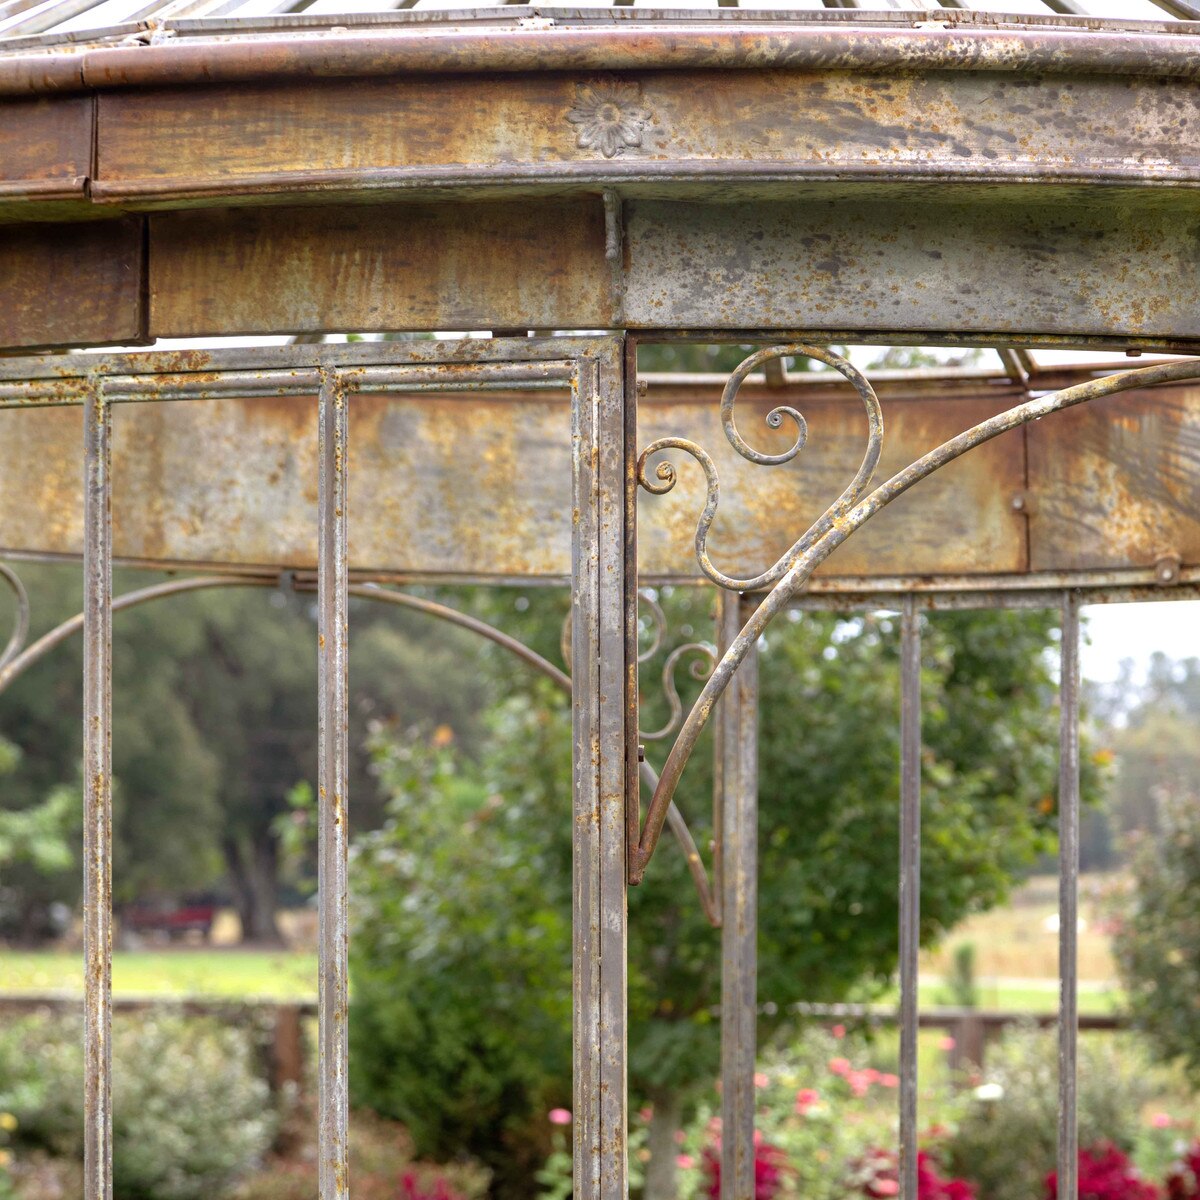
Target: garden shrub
<point x="1157" y="940"/>
<point x="1018" y="1107"/>
<point x="191" y="1112"/>
<point x="1105" y="1173"/>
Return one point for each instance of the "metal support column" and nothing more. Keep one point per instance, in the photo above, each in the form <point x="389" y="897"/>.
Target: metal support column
<point x="1068" y="898"/>
<point x="910" y="887"/>
<point x="332" y="643"/>
<point x="97" y="796"/>
<point x="599" y="698"/>
<point x="737" y="778"/>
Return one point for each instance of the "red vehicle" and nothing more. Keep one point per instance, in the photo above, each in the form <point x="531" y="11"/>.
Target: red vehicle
<point x="170" y="918"/>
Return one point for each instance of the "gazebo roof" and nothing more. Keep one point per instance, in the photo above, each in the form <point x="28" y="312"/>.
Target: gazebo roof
<point x="25" y="23"/>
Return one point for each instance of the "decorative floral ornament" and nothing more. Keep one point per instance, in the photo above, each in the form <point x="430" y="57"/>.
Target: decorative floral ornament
<point x="610" y="116"/>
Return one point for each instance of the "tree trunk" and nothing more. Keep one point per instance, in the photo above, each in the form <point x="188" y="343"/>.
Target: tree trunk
<point x="253" y="872"/>
<point x="664" y="1123"/>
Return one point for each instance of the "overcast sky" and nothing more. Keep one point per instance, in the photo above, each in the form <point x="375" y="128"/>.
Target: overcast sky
<point x="1117" y="631"/>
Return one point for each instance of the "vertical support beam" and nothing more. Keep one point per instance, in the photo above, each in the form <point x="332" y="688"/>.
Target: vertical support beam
<point x="910" y="887"/>
<point x="1068" y="899"/>
<point x="737" y="753"/>
<point x="97" y="795"/>
<point x="332" y="641"/>
<point x="599" y="598"/>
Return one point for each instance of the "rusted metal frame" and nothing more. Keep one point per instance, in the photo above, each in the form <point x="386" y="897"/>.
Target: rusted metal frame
<point x="248" y="385"/>
<point x="598" y="605"/>
<point x="332" y="774"/>
<point x="738" y="836"/>
<point x="1138" y="582"/>
<point x="97" y="795"/>
<point x="910" y="887"/>
<point x="362" y="53"/>
<point x="989" y="598"/>
<point x="800" y="568"/>
<point x="1068" y="899"/>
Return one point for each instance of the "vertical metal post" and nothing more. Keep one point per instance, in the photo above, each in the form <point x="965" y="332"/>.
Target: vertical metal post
<point x="738" y="836"/>
<point x="1068" y="898"/>
<point x="97" y="796"/>
<point x="332" y="642"/>
<point x="600" y="603"/>
<point x="910" y="887"/>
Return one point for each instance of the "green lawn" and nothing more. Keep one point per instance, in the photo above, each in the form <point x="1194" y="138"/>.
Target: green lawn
<point x="249" y="974"/>
<point x="292" y="975"/>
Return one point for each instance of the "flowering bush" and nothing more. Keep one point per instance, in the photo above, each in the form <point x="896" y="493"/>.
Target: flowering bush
<point x="1105" y="1173"/>
<point x="877" y="1176"/>
<point x="770" y="1168"/>
<point x="1183" y="1182"/>
<point x="412" y="1188"/>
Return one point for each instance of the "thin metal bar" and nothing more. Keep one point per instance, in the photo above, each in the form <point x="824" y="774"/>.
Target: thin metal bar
<point x="739" y="909"/>
<point x="910" y="887"/>
<point x="1068" y="899"/>
<point x="97" y="797"/>
<point x="615" y="594"/>
<point x="585" y="666"/>
<point x="332" y="641"/>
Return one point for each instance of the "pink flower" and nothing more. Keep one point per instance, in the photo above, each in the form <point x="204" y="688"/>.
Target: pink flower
<point x="685" y="1162"/>
<point x="889" y="1081"/>
<point x="870" y="1075"/>
<point x="805" y="1099"/>
<point x="946" y="1043"/>
<point x="859" y="1083"/>
<point x="646" y="1113"/>
<point x="1161" y="1120"/>
<point x="761" y="1080"/>
<point x="886" y="1187"/>
<point x="559" y="1116"/>
<point x="839" y="1066"/>
<point x="838" y="1031"/>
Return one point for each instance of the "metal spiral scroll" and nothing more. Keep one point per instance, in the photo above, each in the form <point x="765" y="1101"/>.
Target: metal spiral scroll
<point x="666" y="474"/>
<point x="848" y="513"/>
<point x="700" y="669"/>
<point x="20" y="632"/>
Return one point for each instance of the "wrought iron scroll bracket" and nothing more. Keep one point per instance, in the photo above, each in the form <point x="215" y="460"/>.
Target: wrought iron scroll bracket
<point x="847" y="514"/>
<point x="20" y="631"/>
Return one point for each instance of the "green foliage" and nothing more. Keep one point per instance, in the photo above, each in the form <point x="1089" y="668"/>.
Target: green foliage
<point x="1015" y="1110"/>
<point x="460" y="956"/>
<point x="191" y="1114"/>
<point x="1157" y="941"/>
<point x="962" y="990"/>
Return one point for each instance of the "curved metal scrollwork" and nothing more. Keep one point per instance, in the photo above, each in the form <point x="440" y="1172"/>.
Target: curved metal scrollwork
<point x="666" y="474"/>
<point x="20" y="630"/>
<point x="848" y="513"/>
<point x="700" y="669"/>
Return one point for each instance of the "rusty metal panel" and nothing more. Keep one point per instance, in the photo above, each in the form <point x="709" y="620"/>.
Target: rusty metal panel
<point x="71" y="285"/>
<point x="752" y="126"/>
<point x="1005" y="266"/>
<point x="479" y="485"/>
<point x="45" y="151"/>
<point x="1114" y="482"/>
<point x="532" y="264"/>
<point x="960" y="519"/>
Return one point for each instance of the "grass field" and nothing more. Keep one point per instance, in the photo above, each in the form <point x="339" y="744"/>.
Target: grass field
<point x="1016" y="962"/>
<point x="251" y="974"/>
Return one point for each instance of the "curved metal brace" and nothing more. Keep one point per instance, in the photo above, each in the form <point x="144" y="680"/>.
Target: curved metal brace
<point x="820" y="546"/>
<point x="21" y="620"/>
<point x="667" y="474"/>
<point x="18" y="663"/>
